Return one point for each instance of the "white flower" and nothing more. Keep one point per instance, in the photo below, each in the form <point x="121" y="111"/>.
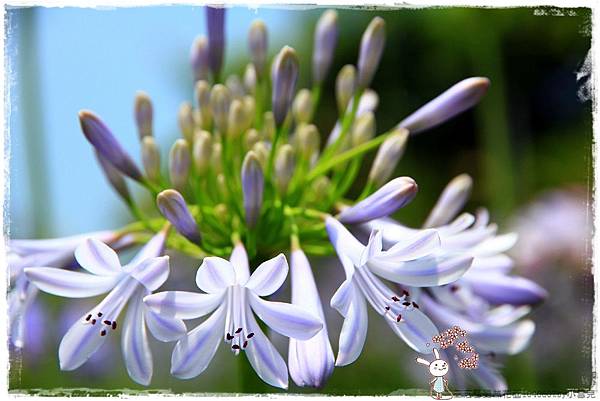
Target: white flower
<point x="311" y="361"/>
<point x="232" y="297"/>
<point x="124" y="284"/>
<point x="56" y="252"/>
<point x="361" y="285"/>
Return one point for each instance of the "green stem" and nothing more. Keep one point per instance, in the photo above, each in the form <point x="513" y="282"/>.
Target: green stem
<point x="347" y="155"/>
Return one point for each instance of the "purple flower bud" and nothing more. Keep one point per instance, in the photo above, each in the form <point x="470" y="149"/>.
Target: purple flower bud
<point x="258" y="45"/>
<point x="252" y="188"/>
<point x="179" y="164"/>
<point x="199" y="58"/>
<point x="345" y="85"/>
<point x="371" y="49"/>
<point x="114" y="178"/>
<point x="451" y="201"/>
<point x="326" y="35"/>
<point x="385" y="201"/>
<point x="98" y="134"/>
<point x="284" y="75"/>
<point x="172" y="205"/>
<point x="220" y="100"/>
<point x="143" y="114"/>
<point x="390" y="151"/>
<point x="455" y="100"/>
<point x="215" y="19"/>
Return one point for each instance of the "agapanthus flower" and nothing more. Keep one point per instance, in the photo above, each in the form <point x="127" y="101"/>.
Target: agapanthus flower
<point x="125" y="285"/>
<point x="232" y="296"/>
<point x="486" y="301"/>
<point x="247" y="178"/>
<point x="56" y="252"/>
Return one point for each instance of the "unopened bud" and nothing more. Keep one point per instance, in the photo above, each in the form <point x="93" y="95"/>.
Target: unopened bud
<point x="151" y="158"/>
<point x="237" y="119"/>
<point x="249" y="110"/>
<point x="217" y="158"/>
<point x="235" y="86"/>
<point x="345" y="85"/>
<point x="179" y="164"/>
<point x="173" y="207"/>
<point x="364" y="129"/>
<point x="215" y="19"/>
<point x="201" y="151"/>
<point x="202" y="93"/>
<point x="199" y="58"/>
<point x="371" y="49"/>
<point x="261" y="151"/>
<point x="220" y="100"/>
<point x="284" y="168"/>
<point x="326" y="35"/>
<point x="143" y="114"/>
<point x="252" y="137"/>
<point x="252" y="188"/>
<point x="258" y="44"/>
<point x="455" y="100"/>
<point x="284" y="75"/>
<point x="385" y="201"/>
<point x="451" y="201"/>
<point x="99" y="135"/>
<point x="250" y="79"/>
<point x="388" y="155"/>
<point x="114" y="177"/>
<point x="302" y="106"/>
<point x="308" y="140"/>
<point x="186" y="121"/>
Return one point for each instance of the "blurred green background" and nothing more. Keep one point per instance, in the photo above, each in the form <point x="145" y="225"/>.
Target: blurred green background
<point x="531" y="133"/>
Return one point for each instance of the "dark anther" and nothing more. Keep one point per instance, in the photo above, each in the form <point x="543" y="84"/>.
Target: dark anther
<point x="93" y="321"/>
<point x="103" y="333"/>
<point x="99" y="314"/>
<point x="405" y="293"/>
<point x="238" y="331"/>
<point x="245" y="344"/>
<point x="107" y="322"/>
<point x="88" y="317"/>
<point x="387" y="308"/>
<point x="114" y="325"/>
<point x="235" y="346"/>
<point x="454" y="288"/>
<point x="415" y="305"/>
<point x="229" y="337"/>
<point x="250" y="335"/>
<point x="399" y="318"/>
<point x="406" y="303"/>
<point x="395" y="298"/>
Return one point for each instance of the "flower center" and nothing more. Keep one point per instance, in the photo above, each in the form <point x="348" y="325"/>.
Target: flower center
<point x="104" y="316"/>
<point x="237" y="333"/>
<point x="381" y="298"/>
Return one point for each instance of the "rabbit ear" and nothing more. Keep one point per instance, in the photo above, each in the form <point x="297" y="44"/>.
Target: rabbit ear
<point x="436" y="353"/>
<point x="423" y="361"/>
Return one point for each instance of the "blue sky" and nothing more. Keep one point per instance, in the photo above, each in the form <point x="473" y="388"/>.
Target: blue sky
<point x="66" y="59"/>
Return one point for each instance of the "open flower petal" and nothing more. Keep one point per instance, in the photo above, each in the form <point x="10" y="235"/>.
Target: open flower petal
<point x="193" y="353"/>
<point x="424" y="243"/>
<point x="134" y="342"/>
<point x="269" y="276"/>
<point x="239" y="260"/>
<point x="78" y="344"/>
<point x="263" y="356"/>
<point x="97" y="258"/>
<point x="286" y="319"/>
<point x="164" y="328"/>
<point x="214" y="275"/>
<point x="415" y="329"/>
<point x="70" y="284"/>
<point x="152" y="273"/>
<point x="424" y="272"/>
<point x="183" y="304"/>
<point x="354" y="332"/>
